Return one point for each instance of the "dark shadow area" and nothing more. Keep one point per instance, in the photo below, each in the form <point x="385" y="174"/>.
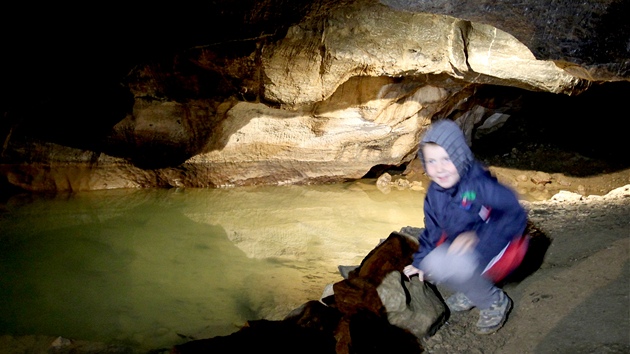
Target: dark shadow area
<point x="271" y="337"/>
<point x="581" y="135"/>
<point x="79" y="117"/>
<point x="56" y="45"/>
<point x="378" y="170"/>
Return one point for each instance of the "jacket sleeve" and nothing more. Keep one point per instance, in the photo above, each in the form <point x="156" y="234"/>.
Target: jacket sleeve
<point x="507" y="219"/>
<point x="429" y="236"/>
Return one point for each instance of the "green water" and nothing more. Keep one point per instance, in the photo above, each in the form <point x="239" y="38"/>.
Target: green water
<point x="153" y="268"/>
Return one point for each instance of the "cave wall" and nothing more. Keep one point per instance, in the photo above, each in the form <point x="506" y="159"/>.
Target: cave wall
<point x="277" y="92"/>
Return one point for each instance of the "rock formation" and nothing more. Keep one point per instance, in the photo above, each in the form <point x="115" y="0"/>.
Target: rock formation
<point x="328" y="92"/>
<point x="585" y="38"/>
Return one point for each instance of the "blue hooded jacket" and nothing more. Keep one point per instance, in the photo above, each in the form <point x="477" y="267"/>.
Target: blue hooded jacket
<point x="478" y="202"/>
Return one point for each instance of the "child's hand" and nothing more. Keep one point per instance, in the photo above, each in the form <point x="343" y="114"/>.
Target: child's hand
<point x="411" y="270"/>
<point x="465" y="242"/>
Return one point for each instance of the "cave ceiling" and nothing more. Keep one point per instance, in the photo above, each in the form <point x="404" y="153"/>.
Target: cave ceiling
<point x="54" y="44"/>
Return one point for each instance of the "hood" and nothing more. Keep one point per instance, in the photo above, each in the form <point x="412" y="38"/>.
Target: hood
<point x="450" y="137"/>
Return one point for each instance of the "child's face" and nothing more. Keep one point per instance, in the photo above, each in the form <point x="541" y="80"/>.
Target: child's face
<point x="439" y="166"/>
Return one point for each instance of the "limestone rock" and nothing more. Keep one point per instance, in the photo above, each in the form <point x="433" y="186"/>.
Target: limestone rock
<point x="421" y="315"/>
<point x="339" y="88"/>
<point x="545" y="28"/>
<point x="541" y="178"/>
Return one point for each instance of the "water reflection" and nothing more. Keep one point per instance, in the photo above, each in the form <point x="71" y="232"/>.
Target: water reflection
<point x="146" y="267"/>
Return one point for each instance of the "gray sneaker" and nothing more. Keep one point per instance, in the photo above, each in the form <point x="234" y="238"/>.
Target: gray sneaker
<point x="459" y="302"/>
<point x="491" y="319"/>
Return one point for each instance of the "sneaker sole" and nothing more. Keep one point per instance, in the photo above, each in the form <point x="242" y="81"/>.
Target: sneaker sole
<point x="490" y="330"/>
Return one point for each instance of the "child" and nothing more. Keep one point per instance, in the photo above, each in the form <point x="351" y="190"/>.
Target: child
<point x="470" y="220"/>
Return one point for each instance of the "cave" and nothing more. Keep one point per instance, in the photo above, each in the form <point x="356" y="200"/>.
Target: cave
<point x="184" y="98"/>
